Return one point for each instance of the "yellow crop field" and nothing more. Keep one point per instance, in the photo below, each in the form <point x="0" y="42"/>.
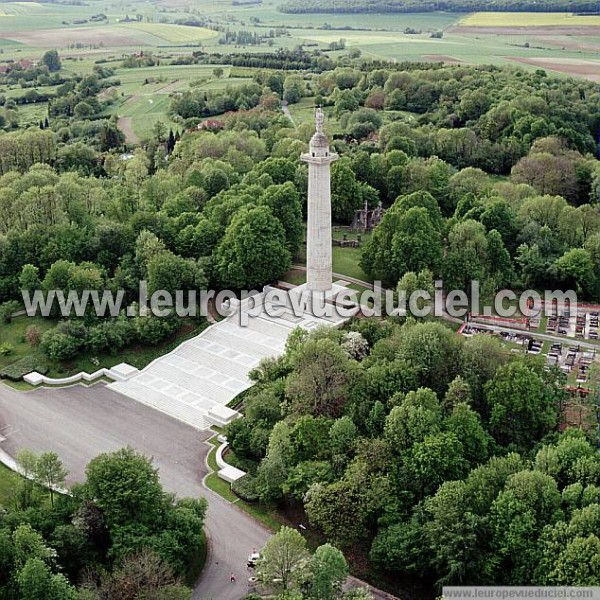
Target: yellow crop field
<point x="177" y="34"/>
<point x="519" y="19"/>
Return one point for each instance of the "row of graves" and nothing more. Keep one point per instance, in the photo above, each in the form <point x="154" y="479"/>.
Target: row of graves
<point x="582" y="326"/>
<point x="522" y="339"/>
<point x="593" y="325"/>
<point x="569" y="358"/>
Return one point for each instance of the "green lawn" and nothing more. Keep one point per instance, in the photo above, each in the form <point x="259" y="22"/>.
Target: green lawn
<point x="20" y="386"/>
<point x="267" y="515"/>
<point x="8" y="484"/>
<point x="303" y="111"/>
<point x="220" y="486"/>
<point x="345" y="260"/>
<point x="14" y="334"/>
<point x="294" y="277"/>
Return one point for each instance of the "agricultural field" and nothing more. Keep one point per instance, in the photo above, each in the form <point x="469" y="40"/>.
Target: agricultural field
<point x="110" y="29"/>
<point x="177" y="34"/>
<point x="576" y="68"/>
<point x="508" y="19"/>
<point x="28" y="28"/>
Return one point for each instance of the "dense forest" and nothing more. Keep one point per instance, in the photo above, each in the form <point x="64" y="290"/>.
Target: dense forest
<point x="421" y="6"/>
<point x="437" y="458"/>
<point x="492" y="167"/>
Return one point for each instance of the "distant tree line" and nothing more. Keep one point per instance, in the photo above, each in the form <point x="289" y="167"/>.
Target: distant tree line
<point x="418" y="6"/>
<point x="285" y="60"/>
<point x="243" y="38"/>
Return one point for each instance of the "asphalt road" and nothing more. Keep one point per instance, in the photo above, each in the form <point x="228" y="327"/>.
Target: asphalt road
<point x="79" y="423"/>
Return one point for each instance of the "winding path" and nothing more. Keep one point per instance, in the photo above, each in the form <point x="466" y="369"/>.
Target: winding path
<point x="286" y="111"/>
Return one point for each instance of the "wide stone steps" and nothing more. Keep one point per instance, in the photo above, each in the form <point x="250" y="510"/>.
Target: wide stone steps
<point x="209" y="370"/>
<point x="179" y="380"/>
<point x="270" y="329"/>
<point x="203" y="361"/>
<point x="163" y="402"/>
<point x="228" y="343"/>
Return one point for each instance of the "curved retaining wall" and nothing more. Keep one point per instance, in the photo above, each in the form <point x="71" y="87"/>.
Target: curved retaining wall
<point x="226" y="471"/>
<point x="120" y="372"/>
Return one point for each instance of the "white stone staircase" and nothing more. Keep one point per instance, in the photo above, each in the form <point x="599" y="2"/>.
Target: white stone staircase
<point x="195" y="381"/>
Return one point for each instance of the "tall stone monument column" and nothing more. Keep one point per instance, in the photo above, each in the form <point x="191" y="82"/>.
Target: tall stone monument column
<point x="318" y="237"/>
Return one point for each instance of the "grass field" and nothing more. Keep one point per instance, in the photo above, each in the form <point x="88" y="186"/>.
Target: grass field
<point x="303" y="111"/>
<point x="33" y="27"/>
<point x="176" y="34"/>
<point x="511" y="19"/>
<point x="269" y="16"/>
<point x="8" y="484"/>
<point x="345" y="260"/>
<point x="20" y="8"/>
<point x="146" y="93"/>
<point x="14" y="334"/>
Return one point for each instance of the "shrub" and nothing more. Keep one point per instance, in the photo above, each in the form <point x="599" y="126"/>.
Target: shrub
<point x="33" y="335"/>
<point x="7" y="309"/>
<point x="110" y="336"/>
<point x="59" y="346"/>
<point x="6" y="349"/>
<point x="152" y="330"/>
<point x="27" y="364"/>
<point x="245" y="488"/>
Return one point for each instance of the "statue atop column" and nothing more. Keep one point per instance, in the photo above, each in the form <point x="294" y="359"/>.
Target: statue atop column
<point x="320" y="119"/>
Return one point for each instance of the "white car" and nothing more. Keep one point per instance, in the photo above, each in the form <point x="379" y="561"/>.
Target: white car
<point x="252" y="559"/>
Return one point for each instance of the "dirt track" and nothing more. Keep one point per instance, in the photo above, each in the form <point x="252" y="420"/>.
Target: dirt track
<point x="125" y="124"/>
<point x="588" y="69"/>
